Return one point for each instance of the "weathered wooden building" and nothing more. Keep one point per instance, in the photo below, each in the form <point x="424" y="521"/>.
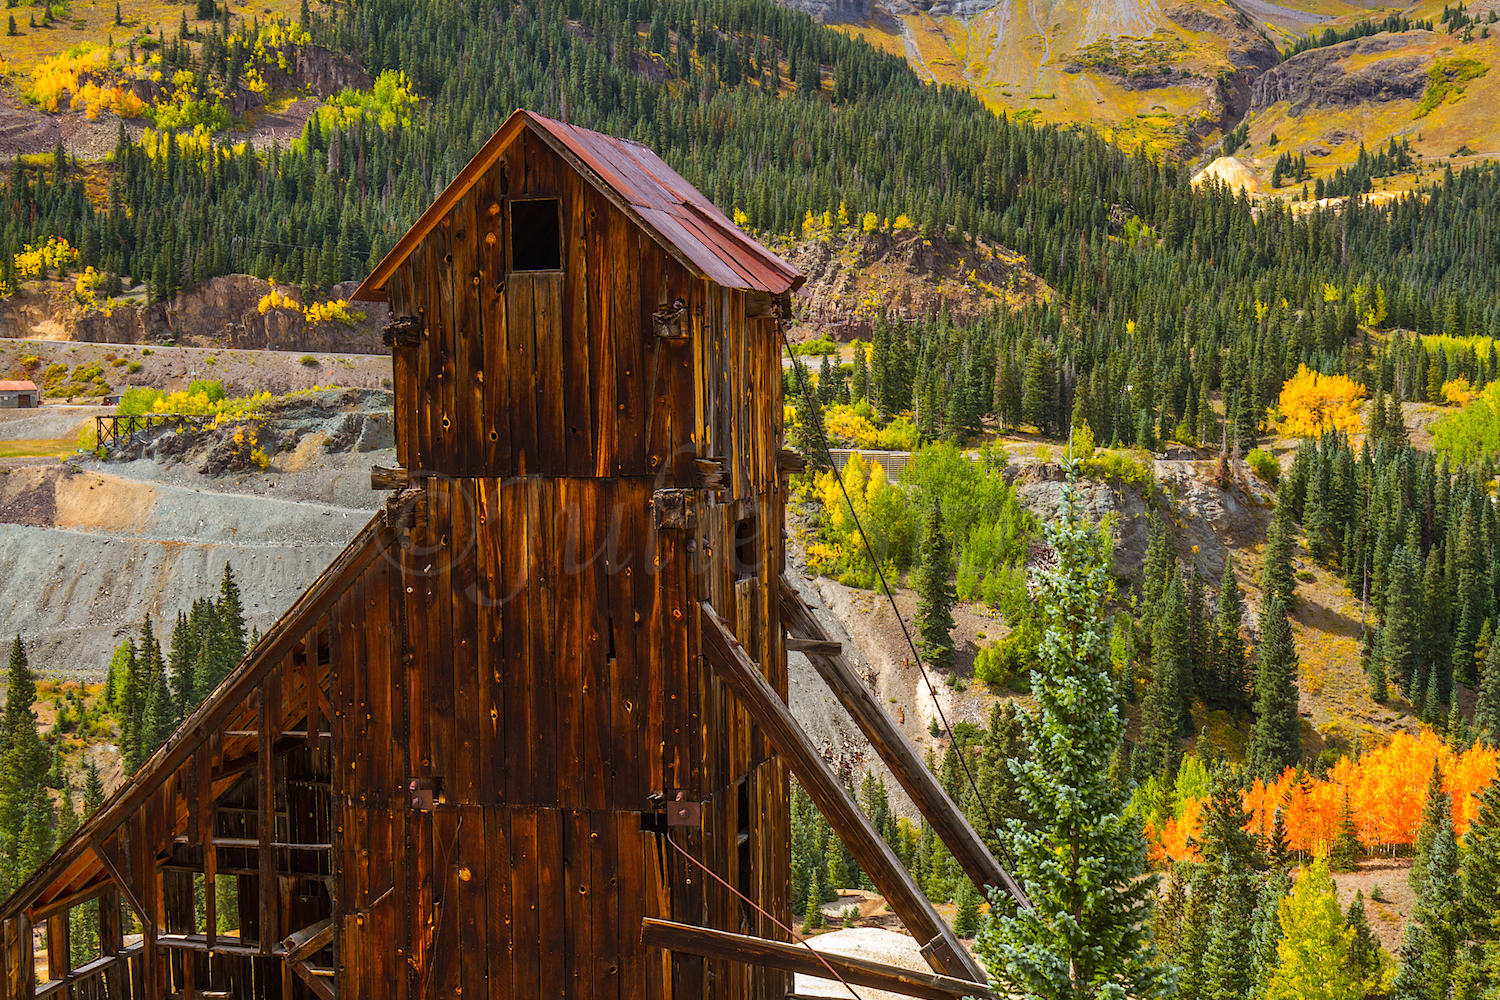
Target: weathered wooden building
<point x="527" y="735"/>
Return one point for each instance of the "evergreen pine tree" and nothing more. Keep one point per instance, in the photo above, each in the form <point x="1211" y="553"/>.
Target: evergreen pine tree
<point x="1429" y="950"/>
<point x="67" y="812"/>
<point x="36" y="837"/>
<point x="1222" y="836"/>
<point x="158" y="719"/>
<point x="231" y="614"/>
<point x="1159" y="750"/>
<point x="1265" y="929"/>
<point x="1315" y="517"/>
<point x="1169" y="646"/>
<point x="1278" y="854"/>
<point x="182" y="663"/>
<point x="1157" y="572"/>
<point x="1276" y="740"/>
<point x="1230" y="669"/>
<point x="966" y="920"/>
<point x="1400" y="631"/>
<point x="1366" y="956"/>
<point x="1437" y="641"/>
<point x="1276" y="578"/>
<point x="23" y="768"/>
<point x="812" y="917"/>
<point x="1487" y="708"/>
<point x="1086" y="933"/>
<point x="935" y="593"/>
<point x="1346" y="848"/>
<point x="93" y="788"/>
<point x="1437" y="809"/>
<point x="1480" y="883"/>
<point x="1227" y="959"/>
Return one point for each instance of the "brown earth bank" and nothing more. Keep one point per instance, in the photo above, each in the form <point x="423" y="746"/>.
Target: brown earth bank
<point x="89" y="547"/>
<point x="854" y="277"/>
<point x="219" y="312"/>
<point x="243" y="373"/>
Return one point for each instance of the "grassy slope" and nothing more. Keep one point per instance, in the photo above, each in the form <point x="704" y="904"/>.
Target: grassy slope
<point x="1466" y="118"/>
<point x="1015" y="57"/>
<point x="94" y="21"/>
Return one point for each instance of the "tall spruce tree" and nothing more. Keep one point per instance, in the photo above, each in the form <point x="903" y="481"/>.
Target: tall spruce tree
<point x="1399" y="636"/>
<point x="1087" y="933"/>
<point x="1276" y="740"/>
<point x="1276" y="578"/>
<point x="1487" y="707"/>
<point x="1437" y="810"/>
<point x="936" y="595"/>
<point x="1169" y="649"/>
<point x="1230" y="670"/>
<point x="24" y="762"/>
<point x="1429" y="948"/>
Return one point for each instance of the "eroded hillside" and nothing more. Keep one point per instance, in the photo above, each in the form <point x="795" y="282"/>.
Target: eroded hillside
<point x="89" y="547"/>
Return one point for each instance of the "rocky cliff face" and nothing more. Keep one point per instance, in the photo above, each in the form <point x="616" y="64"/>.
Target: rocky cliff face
<point x="853" y="277"/>
<point x="836" y="11"/>
<point x="219" y="312"/>
<point x="1322" y="78"/>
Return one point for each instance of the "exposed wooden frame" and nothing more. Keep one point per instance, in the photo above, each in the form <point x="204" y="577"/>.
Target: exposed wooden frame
<point x="941" y="947"/>
<point x="240" y="685"/>
<point x="798" y="959"/>
<point x="72" y="899"/>
<point x="935" y="805"/>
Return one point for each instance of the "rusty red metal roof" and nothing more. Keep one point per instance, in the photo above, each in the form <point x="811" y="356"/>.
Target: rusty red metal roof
<point x="654" y="195"/>
<point x="6" y="386"/>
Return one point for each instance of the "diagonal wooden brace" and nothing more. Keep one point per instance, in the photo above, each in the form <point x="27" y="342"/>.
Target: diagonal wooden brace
<point x="942" y="949"/>
<point x="935" y="805"/>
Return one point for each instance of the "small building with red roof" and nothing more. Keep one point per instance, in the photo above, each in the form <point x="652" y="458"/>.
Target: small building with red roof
<point x="19" y="395"/>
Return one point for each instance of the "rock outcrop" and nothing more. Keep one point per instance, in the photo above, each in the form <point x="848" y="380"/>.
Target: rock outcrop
<point x="853" y="277"/>
<point x="219" y="312"/>
<point x="1321" y="78"/>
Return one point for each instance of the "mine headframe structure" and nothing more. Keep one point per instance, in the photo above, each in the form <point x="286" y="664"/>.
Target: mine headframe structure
<point x="528" y="735"/>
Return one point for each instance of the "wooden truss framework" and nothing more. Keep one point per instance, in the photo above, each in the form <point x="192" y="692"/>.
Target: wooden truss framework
<point x="238" y="791"/>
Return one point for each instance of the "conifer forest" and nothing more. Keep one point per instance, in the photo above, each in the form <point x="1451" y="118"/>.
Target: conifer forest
<point x="1196" y="543"/>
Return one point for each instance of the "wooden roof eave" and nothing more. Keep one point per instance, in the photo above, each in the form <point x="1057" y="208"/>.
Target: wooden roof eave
<point x="372" y="289"/>
<point x="716" y="247"/>
<point x="272" y="649"/>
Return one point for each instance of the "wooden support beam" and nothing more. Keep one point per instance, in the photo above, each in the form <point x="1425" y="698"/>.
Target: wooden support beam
<point x="318" y="984"/>
<point x="59" y="948"/>
<point x="941" y="948"/>
<point x="112" y="942"/>
<point x="809" y="647"/>
<point x="795" y="958"/>
<point x="947" y="820"/>
<point x="382" y="478"/>
<point x="72" y="899"/>
<point x="270" y="698"/>
<point x="125" y="889"/>
<point x="308" y="940"/>
<point x="26" y="967"/>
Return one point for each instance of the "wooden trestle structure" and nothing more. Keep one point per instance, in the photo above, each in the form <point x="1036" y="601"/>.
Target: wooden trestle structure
<point x="527" y="736"/>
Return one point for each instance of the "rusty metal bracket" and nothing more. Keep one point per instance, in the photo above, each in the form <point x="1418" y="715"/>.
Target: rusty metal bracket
<point x="667" y="321"/>
<point x="403" y="331"/>
<point x="682" y="812"/>
<point x="424" y="793"/>
<point x="673" y="508"/>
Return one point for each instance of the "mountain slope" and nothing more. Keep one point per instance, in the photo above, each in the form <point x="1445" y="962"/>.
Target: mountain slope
<point x="1429" y="88"/>
<point x="1166" y="74"/>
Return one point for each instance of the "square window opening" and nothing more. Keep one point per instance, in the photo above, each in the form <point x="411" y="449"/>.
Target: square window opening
<point x="536" y="235"/>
